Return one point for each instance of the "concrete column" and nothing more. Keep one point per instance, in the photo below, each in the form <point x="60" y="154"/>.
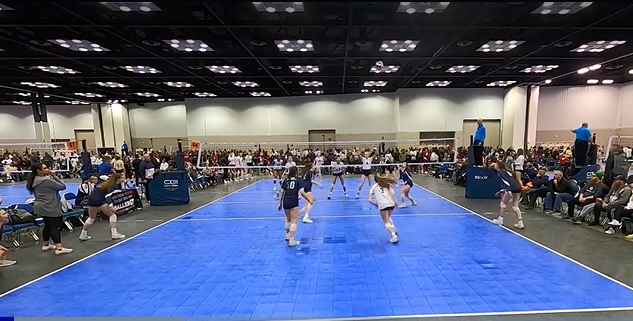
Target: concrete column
<point x="112" y="126"/>
<point x="533" y="115"/>
<point x="514" y="114"/>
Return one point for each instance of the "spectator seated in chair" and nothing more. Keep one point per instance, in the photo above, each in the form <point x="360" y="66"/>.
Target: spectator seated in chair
<point x="588" y="194"/>
<point x="621" y="211"/>
<point x="561" y="191"/>
<point x="4" y="219"/>
<point x="618" y="195"/>
<point x="540" y="188"/>
<point x="616" y="165"/>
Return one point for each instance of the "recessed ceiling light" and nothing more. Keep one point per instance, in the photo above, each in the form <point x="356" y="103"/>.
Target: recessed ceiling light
<point x="224" y="69"/>
<point x="511" y="67"/>
<point x="89" y="95"/>
<point x="205" y="94"/>
<point x="462" y="69"/>
<point x="423" y="7"/>
<point x="188" y="45"/>
<point x="372" y="83"/>
<point x="294" y="45"/>
<point x="39" y="84"/>
<point x="56" y="69"/>
<point x="607" y="81"/>
<point x="631" y="72"/>
<point x="539" y="69"/>
<point x="501" y="83"/>
<point x="140" y="69"/>
<point x="21" y="102"/>
<point x="499" y="45"/>
<point x="148" y="95"/>
<point x="151" y="43"/>
<point x="365" y="90"/>
<point x="258" y="43"/>
<point x="464" y="43"/>
<point x="549" y="81"/>
<point x="110" y="84"/>
<point x="614" y="67"/>
<point x="595" y="67"/>
<point x="260" y="94"/>
<point x="76" y="102"/>
<point x="306" y="68"/>
<point x="385" y="69"/>
<point x="178" y="84"/>
<point x="583" y="71"/>
<point x="363" y="43"/>
<point x="561" y="8"/>
<point x="275" y="67"/>
<point x="592" y="81"/>
<point x="598" y="46"/>
<point x="78" y="45"/>
<point x="435" y="67"/>
<point x="356" y="67"/>
<point x="272" y="7"/>
<point x="398" y="45"/>
<point x="439" y="83"/>
<point x="116" y="101"/>
<point x="313" y="92"/>
<point x="131" y="6"/>
<point x="245" y="84"/>
<point x="311" y="83"/>
<point x="563" y="44"/>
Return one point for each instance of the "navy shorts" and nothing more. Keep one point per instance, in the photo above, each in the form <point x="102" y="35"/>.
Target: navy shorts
<point x="366" y="172"/>
<point x="95" y="202"/>
<point x="390" y="208"/>
<point x="290" y="204"/>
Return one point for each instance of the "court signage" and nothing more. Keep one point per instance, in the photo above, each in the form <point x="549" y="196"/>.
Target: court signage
<point x="126" y="201"/>
<point x="481" y="178"/>
<point x="171" y="184"/>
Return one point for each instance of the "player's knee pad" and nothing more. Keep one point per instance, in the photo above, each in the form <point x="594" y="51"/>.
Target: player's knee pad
<point x="90" y="220"/>
<point x="113" y="218"/>
<point x="288" y="225"/>
<point x="388" y="225"/>
<point x="293" y="227"/>
<point x="515" y="208"/>
<point x="502" y="205"/>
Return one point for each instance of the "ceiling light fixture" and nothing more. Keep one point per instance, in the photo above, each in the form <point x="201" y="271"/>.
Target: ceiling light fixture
<point x="21" y="102"/>
<point x="131" y="6"/>
<point x="385" y="69"/>
<point x="39" y="84"/>
<point x="294" y="45"/>
<point x="501" y="83"/>
<point x="148" y="95"/>
<point x="311" y="83"/>
<point x="89" y="95"/>
<point x="462" y="69"/>
<point x="56" y="70"/>
<point x="313" y="92"/>
<point x="439" y="83"/>
<point x="307" y="68"/>
<point x="365" y="90"/>
<point x="372" y="83"/>
<point x="499" y="45"/>
<point x="178" y="84"/>
<point x="595" y="67"/>
<point x="165" y="99"/>
<point x="116" y="101"/>
<point x="188" y="45"/>
<point x="592" y="81"/>
<point x="538" y="69"/>
<point x="422" y="7"/>
<point x="110" y="84"/>
<point x="598" y="46"/>
<point x="78" y="45"/>
<point x="399" y="45"/>
<point x="607" y="81"/>
<point x="561" y="8"/>
<point x="205" y="94"/>
<point x="272" y="7"/>
<point x="549" y="81"/>
<point x="141" y="69"/>
<point x="224" y="69"/>
<point x="583" y="71"/>
<point x="245" y="84"/>
<point x="76" y="102"/>
<point x="260" y="94"/>
<point x="631" y="72"/>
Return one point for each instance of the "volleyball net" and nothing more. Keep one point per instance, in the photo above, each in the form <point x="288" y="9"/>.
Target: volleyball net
<point x="261" y="156"/>
<point x="625" y="142"/>
<point x="55" y="155"/>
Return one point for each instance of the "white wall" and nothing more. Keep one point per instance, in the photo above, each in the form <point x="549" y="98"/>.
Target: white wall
<point x="514" y="113"/>
<point x="626" y="106"/>
<point x="16" y="123"/>
<point x="158" y="120"/>
<point x="63" y="120"/>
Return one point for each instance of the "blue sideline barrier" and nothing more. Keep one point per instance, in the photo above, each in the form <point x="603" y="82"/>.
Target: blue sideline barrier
<point x="482" y="183"/>
<point x="169" y="188"/>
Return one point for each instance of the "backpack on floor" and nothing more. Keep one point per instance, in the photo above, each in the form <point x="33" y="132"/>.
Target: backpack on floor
<point x="20" y="216"/>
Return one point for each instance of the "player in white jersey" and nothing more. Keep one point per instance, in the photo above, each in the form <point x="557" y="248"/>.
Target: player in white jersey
<point x="366" y="174"/>
<point x="383" y="196"/>
<point x="318" y="162"/>
<point x="278" y="172"/>
<point x="290" y="163"/>
<point x="338" y="169"/>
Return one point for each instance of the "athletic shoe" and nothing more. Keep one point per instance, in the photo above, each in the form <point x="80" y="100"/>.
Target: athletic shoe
<point x="357" y="196"/>
<point x="414" y="203"/>
<point x="46" y="248"/>
<point x="85" y="237"/>
<point x="394" y="239"/>
<point x="519" y="225"/>
<point x="402" y="205"/>
<point x="293" y="243"/>
<point x="614" y="222"/>
<point x="117" y="236"/>
<point x="63" y="251"/>
<point x="4" y="263"/>
<point x="346" y="195"/>
<point x="498" y="220"/>
<point x="609" y="231"/>
<point x="287" y="237"/>
<point x="307" y="220"/>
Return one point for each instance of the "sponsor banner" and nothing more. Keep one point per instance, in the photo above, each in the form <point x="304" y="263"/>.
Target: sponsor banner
<point x="125" y="201"/>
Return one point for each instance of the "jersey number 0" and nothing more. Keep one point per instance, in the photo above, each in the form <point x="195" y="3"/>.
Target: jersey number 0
<point x="291" y="185"/>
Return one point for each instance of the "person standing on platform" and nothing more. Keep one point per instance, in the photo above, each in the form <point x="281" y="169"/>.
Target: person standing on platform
<point x="581" y="144"/>
<point x="478" y="143"/>
<point x="124" y="149"/>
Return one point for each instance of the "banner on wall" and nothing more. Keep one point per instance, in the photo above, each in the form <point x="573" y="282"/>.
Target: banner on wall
<point x="73" y="146"/>
<point x="194" y="146"/>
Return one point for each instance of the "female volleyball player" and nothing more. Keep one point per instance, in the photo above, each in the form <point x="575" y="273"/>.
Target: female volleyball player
<point x="383" y="196"/>
<point x="510" y="192"/>
<point x="366" y="174"/>
<point x="97" y="203"/>
<point x="308" y="181"/>
<point x="289" y="202"/>
<point x="405" y="177"/>
<point x="278" y="172"/>
<point x="318" y="162"/>
<point x="338" y="169"/>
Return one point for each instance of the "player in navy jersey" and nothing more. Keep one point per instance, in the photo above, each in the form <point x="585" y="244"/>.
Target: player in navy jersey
<point x="308" y="181"/>
<point x="97" y="203"/>
<point x="407" y="180"/>
<point x="510" y="192"/>
<point x="289" y="202"/>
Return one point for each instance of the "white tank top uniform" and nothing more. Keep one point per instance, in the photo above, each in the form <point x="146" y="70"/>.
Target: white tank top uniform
<point x="384" y="196"/>
<point x="367" y="162"/>
<point x="337" y="169"/>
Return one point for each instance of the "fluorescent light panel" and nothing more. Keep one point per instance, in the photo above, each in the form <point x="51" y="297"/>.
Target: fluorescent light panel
<point x="365" y="90"/>
<point x="188" y="45"/>
<point x="224" y="69"/>
<point x="499" y="45"/>
<point x="462" y="69"/>
<point x="245" y="84"/>
<point x="39" y="84"/>
<point x="538" y="69"/>
<point x="76" y="102"/>
<point x="141" y="69"/>
<point x="439" y="83"/>
<point x="131" y="6"/>
<point x="260" y="94"/>
<point x="21" y="102"/>
<point x="372" y="83"/>
<point x="313" y="92"/>
<point x="592" y="81"/>
<point x="294" y="45"/>
<point x="385" y="69"/>
<point x="561" y="8"/>
<point x="178" y="84"/>
<point x="57" y="70"/>
<point x="311" y="83"/>
<point x="501" y="83"/>
<point x="307" y="68"/>
<point x="78" y="45"/>
<point x="422" y="7"/>
<point x="89" y="95"/>
<point x="165" y="99"/>
<point x="205" y="94"/>
<point x="598" y="46"/>
<point x="398" y="45"/>
<point x="110" y="84"/>
<point x="272" y="7"/>
<point x="148" y="95"/>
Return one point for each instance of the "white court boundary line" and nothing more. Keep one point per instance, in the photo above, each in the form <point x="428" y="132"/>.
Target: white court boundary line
<point x="123" y="241"/>
<point x="314" y="217"/>
<point x="350" y="200"/>
<point x="540" y="245"/>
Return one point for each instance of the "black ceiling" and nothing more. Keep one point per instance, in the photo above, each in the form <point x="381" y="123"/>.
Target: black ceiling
<point x="345" y="36"/>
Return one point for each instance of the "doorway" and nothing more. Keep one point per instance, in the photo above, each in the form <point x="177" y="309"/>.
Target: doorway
<point x="318" y="138"/>
<point x="493" y="132"/>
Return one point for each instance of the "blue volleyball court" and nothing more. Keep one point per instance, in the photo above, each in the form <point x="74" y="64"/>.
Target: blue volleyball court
<point x="229" y="259"/>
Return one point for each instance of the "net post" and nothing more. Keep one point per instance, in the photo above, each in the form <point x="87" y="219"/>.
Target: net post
<point x="200" y="148"/>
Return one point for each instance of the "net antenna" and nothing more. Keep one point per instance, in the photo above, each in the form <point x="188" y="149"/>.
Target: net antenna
<point x="59" y="153"/>
<point x="207" y="150"/>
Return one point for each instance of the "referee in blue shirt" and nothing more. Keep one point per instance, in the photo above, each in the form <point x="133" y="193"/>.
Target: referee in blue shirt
<point x="478" y="143"/>
<point x="581" y="144"/>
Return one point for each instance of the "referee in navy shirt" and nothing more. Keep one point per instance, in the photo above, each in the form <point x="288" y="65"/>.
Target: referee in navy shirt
<point x="581" y="144"/>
